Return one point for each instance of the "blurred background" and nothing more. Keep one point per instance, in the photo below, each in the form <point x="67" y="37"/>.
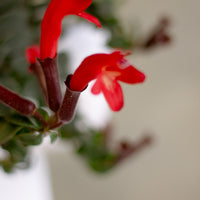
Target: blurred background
<point x="166" y="106"/>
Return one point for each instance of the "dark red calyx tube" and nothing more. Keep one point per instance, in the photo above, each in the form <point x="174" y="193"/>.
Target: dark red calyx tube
<point x="67" y="109"/>
<point x="50" y="69"/>
<point x="37" y="70"/>
<point x="18" y="103"/>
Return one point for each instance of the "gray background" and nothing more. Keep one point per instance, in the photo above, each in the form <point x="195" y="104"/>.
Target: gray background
<point x="167" y="105"/>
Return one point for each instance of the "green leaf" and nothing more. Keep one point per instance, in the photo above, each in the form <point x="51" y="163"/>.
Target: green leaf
<point x="104" y="164"/>
<point x="16" y="150"/>
<point x="31" y="138"/>
<point x="53" y="136"/>
<point x="44" y="113"/>
<point x="98" y="139"/>
<point x="36" y="123"/>
<point x="7" y="131"/>
<point x="23" y="121"/>
<point x="69" y="131"/>
<point x="7" y="165"/>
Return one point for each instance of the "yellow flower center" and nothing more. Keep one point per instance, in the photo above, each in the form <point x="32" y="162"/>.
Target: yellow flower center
<point x="108" y="77"/>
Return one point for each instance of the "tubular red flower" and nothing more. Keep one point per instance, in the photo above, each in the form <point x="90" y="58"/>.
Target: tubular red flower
<point x="107" y="69"/>
<point x="51" y="23"/>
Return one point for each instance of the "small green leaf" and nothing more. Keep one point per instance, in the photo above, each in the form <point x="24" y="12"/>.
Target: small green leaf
<point x="31" y="138"/>
<point x="36" y="123"/>
<point x="7" y="131"/>
<point x="44" y="113"/>
<point x="16" y="149"/>
<point x="53" y="136"/>
<point x="20" y="120"/>
<point x="23" y="121"/>
<point x="98" y="139"/>
<point x="7" y="166"/>
<point x="103" y="164"/>
<point x="69" y="131"/>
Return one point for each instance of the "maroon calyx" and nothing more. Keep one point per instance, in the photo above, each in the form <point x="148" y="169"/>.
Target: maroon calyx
<point x="50" y="69"/>
<point x="67" y="109"/>
<point x="37" y="70"/>
<point x="18" y="103"/>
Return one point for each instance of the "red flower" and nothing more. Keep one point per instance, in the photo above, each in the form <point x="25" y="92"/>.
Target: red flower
<point x="51" y="23"/>
<point x="107" y="69"/>
<point x="32" y="53"/>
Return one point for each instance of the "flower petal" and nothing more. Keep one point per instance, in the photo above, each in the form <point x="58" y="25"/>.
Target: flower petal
<point x="88" y="70"/>
<point x="51" y="23"/>
<point x="113" y="95"/>
<point x="90" y="18"/>
<point x="128" y="74"/>
<point x="96" y="88"/>
<point x="32" y="53"/>
<point x="131" y="75"/>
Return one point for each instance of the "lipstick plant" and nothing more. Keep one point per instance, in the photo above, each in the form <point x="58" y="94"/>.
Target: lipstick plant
<point x="24" y="123"/>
